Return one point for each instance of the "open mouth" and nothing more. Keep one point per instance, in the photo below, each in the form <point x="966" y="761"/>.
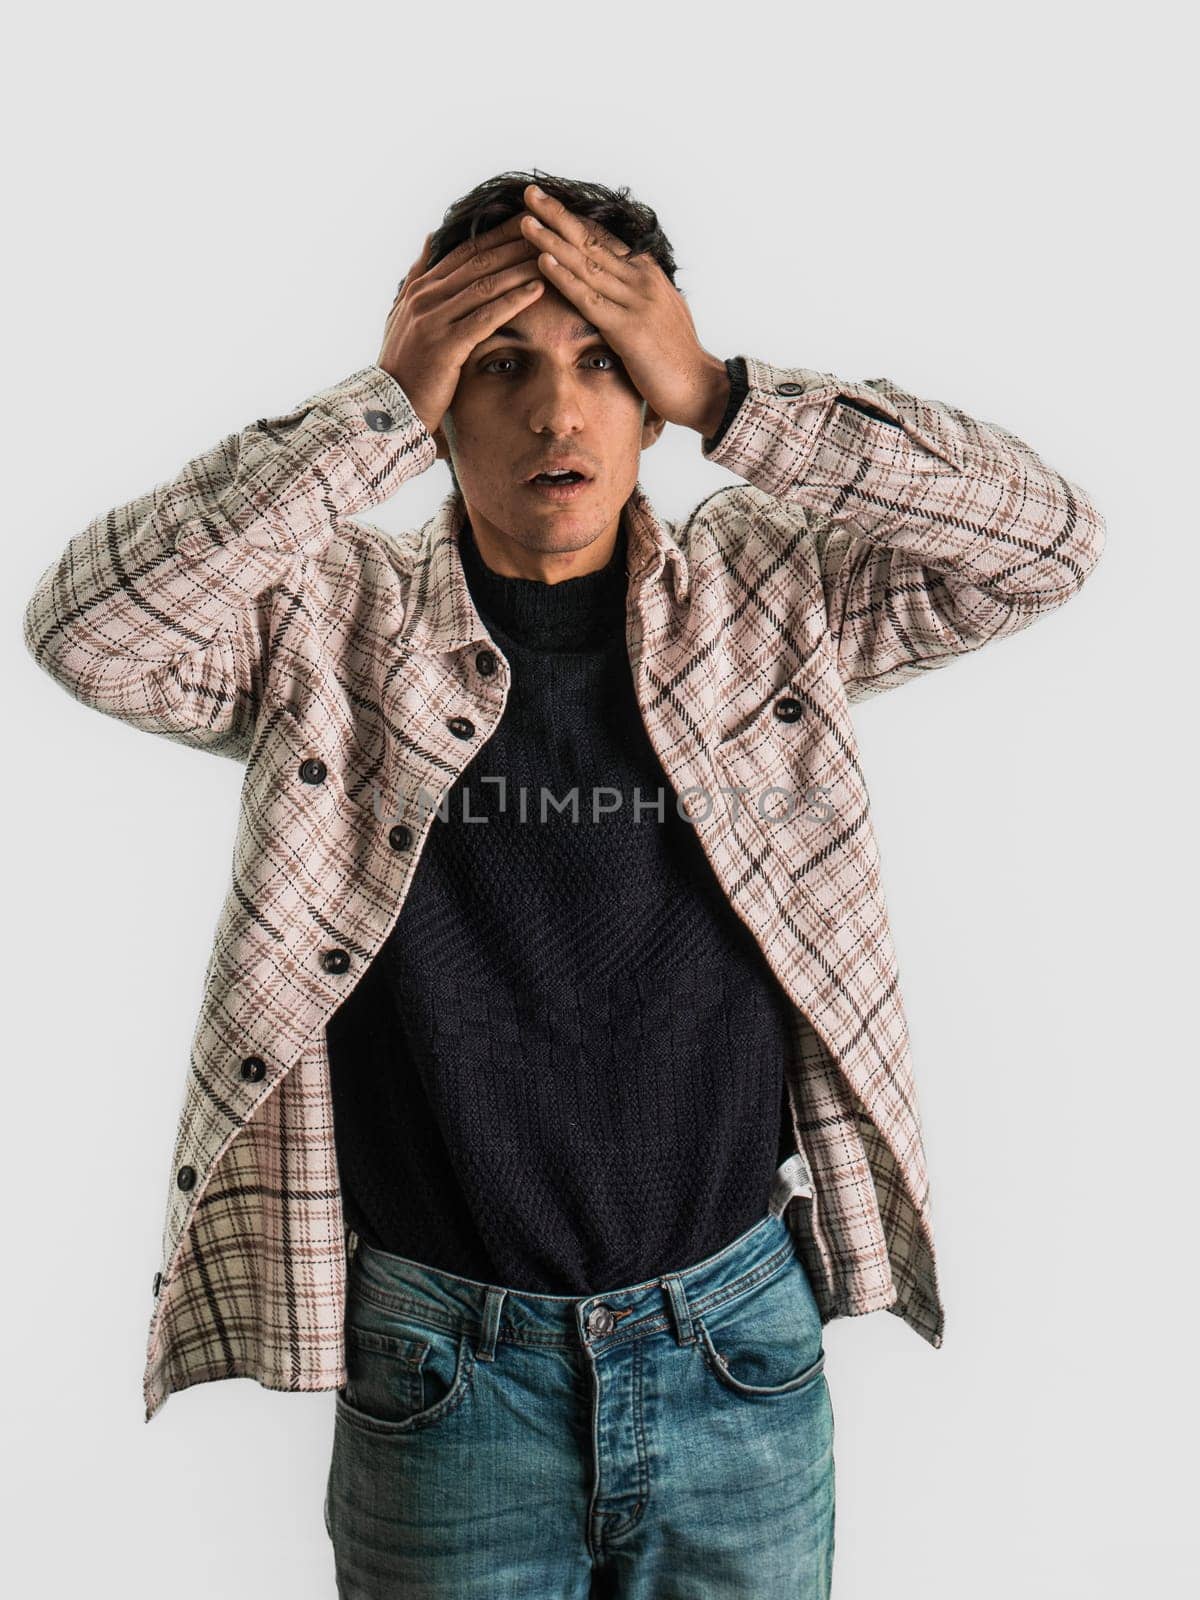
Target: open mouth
<point x="565" y="485"/>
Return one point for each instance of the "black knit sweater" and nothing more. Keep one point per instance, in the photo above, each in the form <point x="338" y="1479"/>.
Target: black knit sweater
<point x="563" y="1071"/>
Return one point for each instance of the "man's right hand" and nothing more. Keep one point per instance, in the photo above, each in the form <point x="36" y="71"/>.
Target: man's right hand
<point x="440" y="315"/>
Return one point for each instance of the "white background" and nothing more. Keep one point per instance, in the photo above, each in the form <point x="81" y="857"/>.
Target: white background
<point x="210" y="209"/>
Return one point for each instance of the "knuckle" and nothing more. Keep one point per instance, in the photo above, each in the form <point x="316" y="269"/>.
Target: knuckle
<point x="485" y="284"/>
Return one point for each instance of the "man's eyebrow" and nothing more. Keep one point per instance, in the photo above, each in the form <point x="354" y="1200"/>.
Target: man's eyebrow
<point x="577" y="330"/>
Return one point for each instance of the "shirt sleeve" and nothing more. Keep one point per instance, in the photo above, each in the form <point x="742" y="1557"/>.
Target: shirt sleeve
<point x="933" y="531"/>
<point x="165" y="611"/>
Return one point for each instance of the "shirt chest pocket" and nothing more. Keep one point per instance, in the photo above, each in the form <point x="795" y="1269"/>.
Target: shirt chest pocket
<point x="792" y="792"/>
<point x="301" y="825"/>
<point x="783" y="752"/>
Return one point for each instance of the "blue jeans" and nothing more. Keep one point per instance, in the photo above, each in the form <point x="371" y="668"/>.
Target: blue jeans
<point x="670" y="1439"/>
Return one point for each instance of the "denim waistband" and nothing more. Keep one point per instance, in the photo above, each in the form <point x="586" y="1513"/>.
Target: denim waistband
<point x="491" y="1313"/>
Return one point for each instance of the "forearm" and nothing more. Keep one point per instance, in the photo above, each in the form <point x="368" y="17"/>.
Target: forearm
<point x="166" y="573"/>
<point x="959" y="496"/>
<point x="165" y="612"/>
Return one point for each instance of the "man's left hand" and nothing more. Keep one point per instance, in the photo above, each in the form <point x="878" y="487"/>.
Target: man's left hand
<point x="636" y="307"/>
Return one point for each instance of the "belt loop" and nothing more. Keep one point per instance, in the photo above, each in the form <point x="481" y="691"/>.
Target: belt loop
<point x="491" y="1323"/>
<point x="351" y="1244"/>
<point x="680" y="1310"/>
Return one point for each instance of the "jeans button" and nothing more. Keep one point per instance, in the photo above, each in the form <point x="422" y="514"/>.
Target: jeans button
<point x="601" y="1320"/>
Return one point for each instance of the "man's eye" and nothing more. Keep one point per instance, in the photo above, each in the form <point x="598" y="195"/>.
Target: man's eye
<point x="596" y="355"/>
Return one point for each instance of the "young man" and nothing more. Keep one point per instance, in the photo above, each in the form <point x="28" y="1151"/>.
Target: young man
<point x="556" y="897"/>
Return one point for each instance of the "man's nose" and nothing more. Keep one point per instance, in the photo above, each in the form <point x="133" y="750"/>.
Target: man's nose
<point x="555" y="406"/>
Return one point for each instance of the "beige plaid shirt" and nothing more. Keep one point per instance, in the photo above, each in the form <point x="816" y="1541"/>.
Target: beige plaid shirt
<point x="241" y="609"/>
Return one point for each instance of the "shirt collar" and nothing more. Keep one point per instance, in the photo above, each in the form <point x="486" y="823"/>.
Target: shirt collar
<point x="441" y="615"/>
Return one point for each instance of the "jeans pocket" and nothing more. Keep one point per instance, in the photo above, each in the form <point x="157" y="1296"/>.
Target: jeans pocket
<point x="767" y="1341"/>
<point x="404" y="1380"/>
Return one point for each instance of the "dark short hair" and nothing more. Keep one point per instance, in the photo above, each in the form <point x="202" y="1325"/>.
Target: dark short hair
<point x="496" y="199"/>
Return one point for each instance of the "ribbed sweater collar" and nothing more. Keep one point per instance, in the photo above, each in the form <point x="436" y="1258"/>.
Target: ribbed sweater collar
<point x="572" y="614"/>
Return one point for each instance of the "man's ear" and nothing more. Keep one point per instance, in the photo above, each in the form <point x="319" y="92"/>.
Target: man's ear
<point x="652" y="427"/>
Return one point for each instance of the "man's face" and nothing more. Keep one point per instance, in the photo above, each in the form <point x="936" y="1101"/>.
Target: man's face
<point x="539" y="390"/>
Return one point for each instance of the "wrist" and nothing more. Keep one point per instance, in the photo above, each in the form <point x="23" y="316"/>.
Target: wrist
<point x="716" y="390"/>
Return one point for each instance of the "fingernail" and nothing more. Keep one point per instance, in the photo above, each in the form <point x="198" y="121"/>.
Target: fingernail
<point x="541" y="193"/>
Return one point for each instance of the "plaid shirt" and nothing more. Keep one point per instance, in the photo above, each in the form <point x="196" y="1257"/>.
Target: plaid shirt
<point x="239" y="608"/>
